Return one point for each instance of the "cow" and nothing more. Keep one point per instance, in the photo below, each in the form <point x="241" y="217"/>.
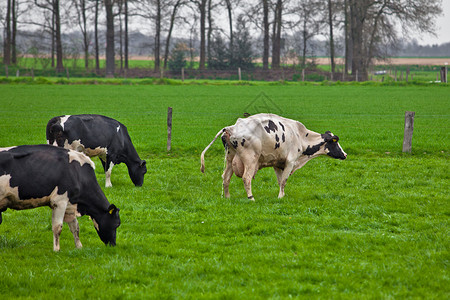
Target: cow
<point x="268" y="140"/>
<point x="43" y="175"/>
<point x="101" y="136"/>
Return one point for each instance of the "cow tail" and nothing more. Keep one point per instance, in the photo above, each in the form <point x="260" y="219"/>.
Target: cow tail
<point x="202" y="156"/>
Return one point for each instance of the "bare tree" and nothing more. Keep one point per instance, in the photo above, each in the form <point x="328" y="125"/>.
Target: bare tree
<point x="330" y="23"/>
<point x="7" y="40"/>
<point x="54" y="8"/>
<point x="266" y="27"/>
<point x="201" y="6"/>
<point x="372" y="24"/>
<point x="176" y="5"/>
<point x="82" y="8"/>
<point x="110" y="51"/>
<point x="276" y="36"/>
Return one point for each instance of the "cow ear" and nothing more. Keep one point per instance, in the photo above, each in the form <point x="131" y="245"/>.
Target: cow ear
<point x="335" y="139"/>
<point x="112" y="209"/>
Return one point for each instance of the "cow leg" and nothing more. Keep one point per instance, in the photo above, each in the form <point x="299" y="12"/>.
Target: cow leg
<point x="282" y="176"/>
<point x="59" y="205"/>
<point x="71" y="219"/>
<point x="108" y="174"/>
<point x="250" y="163"/>
<point x="227" y="173"/>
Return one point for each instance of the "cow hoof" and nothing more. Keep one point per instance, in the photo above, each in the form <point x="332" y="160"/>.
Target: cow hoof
<point x="251" y="198"/>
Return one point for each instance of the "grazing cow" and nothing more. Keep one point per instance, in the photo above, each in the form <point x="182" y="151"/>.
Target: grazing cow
<point x="64" y="180"/>
<point x="268" y="140"/>
<point x="100" y="136"/>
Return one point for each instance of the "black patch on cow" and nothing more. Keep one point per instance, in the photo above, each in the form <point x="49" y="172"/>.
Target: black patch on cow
<point x="307" y="134"/>
<point x="312" y="150"/>
<point x="224" y="142"/>
<point x="333" y="148"/>
<point x="282" y="126"/>
<point x="271" y="126"/>
<point x="277" y="138"/>
<point x="235" y="144"/>
<point x="298" y="150"/>
<point x="243" y="142"/>
<point x="277" y="145"/>
<point x="283" y="138"/>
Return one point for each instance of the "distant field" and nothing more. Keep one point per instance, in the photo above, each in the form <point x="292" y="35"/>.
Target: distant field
<point x="373" y="226"/>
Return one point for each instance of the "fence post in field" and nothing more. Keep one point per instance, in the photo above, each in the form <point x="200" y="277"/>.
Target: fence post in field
<point x="67" y="73"/>
<point x="32" y="73"/>
<point x="17" y="73"/>
<point x="303" y="74"/>
<point x="409" y="128"/>
<point x="182" y="74"/>
<point x="395" y="75"/>
<point x="239" y="73"/>
<point x="6" y="71"/>
<point x="357" y="75"/>
<point x="169" y="129"/>
<point x="161" y="73"/>
<point x="407" y="74"/>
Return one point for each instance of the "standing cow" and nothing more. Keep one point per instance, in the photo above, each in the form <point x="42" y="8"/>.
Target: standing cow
<point x="268" y="140"/>
<point x="64" y="180"/>
<point x="100" y="136"/>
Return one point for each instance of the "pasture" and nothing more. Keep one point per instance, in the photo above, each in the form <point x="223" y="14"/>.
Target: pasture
<point x="373" y="226"/>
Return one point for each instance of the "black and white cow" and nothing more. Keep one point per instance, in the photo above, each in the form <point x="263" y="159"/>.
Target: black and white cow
<point x="100" y="136"/>
<point x="64" y="180"/>
<point x="268" y="140"/>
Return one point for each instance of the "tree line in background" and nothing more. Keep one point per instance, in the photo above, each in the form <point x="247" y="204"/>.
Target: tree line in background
<point x="223" y="34"/>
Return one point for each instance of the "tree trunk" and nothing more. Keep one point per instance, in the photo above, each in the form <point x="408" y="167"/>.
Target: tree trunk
<point x="85" y="34"/>
<point x="202" y="8"/>
<point x="230" y="22"/>
<point x="330" y="20"/>
<point x="126" y="34"/>
<point x="169" y="33"/>
<point x="356" y="28"/>
<point x="7" y="41"/>
<point x="13" y="33"/>
<point x="59" y="52"/>
<point x="266" y="35"/>
<point x="158" y="35"/>
<point x="208" y="36"/>
<point x="347" y="45"/>
<point x="97" y="58"/>
<point x="110" y="63"/>
<point x="276" y="45"/>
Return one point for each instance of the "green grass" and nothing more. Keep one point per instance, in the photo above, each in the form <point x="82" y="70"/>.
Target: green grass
<point x="373" y="226"/>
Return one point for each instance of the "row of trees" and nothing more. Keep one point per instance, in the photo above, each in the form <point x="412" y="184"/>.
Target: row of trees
<point x="228" y="31"/>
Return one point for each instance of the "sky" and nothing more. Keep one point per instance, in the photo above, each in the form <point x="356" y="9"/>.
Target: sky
<point x="442" y="30"/>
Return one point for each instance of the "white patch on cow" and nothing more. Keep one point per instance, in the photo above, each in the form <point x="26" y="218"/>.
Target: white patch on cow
<point x="81" y="158"/>
<point x="7" y="148"/>
<point x="118" y="127"/>
<point x="7" y="193"/>
<point x="63" y="120"/>
<point x="108" y="175"/>
<point x="95" y="224"/>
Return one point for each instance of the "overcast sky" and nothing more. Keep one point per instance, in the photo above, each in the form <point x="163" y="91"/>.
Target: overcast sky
<point x="442" y="30"/>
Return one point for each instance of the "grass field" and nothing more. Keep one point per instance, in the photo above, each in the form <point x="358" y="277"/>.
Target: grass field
<point x="373" y="226"/>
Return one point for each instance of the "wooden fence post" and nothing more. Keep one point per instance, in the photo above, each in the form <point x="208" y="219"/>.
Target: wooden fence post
<point x="303" y="74"/>
<point x="169" y="129"/>
<point x="32" y="73"/>
<point x="409" y="128"/>
<point x="182" y="74"/>
<point x="17" y="73"/>
<point x="6" y="71"/>
<point x="67" y="73"/>
<point x="239" y="73"/>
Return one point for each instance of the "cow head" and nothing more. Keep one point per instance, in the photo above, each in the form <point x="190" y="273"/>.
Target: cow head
<point x="332" y="147"/>
<point x="107" y="225"/>
<point x="137" y="172"/>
